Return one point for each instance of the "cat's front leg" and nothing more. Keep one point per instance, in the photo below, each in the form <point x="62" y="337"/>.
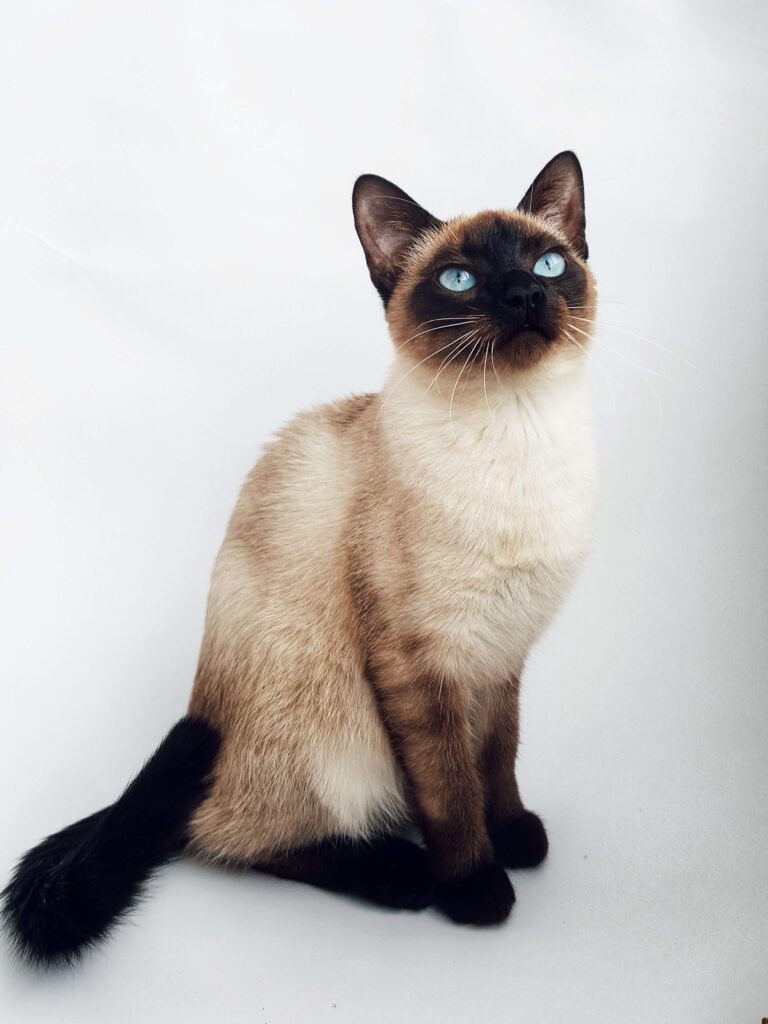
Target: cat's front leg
<point x="518" y="835"/>
<point x="428" y="723"/>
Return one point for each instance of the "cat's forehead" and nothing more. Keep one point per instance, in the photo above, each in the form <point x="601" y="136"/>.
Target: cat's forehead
<point x="493" y="237"/>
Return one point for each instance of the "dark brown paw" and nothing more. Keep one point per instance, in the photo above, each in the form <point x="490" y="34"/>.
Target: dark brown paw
<point x="399" y="875"/>
<point x="521" y="842"/>
<point x="484" y="897"/>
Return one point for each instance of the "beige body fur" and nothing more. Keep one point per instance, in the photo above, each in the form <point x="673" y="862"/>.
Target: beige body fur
<point x="474" y="527"/>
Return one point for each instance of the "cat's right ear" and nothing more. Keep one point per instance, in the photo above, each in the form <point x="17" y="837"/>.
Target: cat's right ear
<point x="557" y="195"/>
<point x="388" y="222"/>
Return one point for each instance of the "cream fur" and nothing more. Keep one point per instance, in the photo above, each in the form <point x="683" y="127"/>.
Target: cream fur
<point x="513" y="481"/>
<point x="498" y="503"/>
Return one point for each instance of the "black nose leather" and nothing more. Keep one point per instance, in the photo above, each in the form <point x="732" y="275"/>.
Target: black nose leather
<point x="523" y="295"/>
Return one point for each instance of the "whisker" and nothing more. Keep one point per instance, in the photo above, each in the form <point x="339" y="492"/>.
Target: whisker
<point x="621" y="355"/>
<point x="466" y="340"/>
<point x="600" y="367"/>
<point x="450" y="406"/>
<point x="493" y="365"/>
<point x="649" y="384"/>
<point x="485" y="389"/>
<point x="440" y="327"/>
<point x="640" y="337"/>
<point x="436" y="318"/>
<point x="408" y="373"/>
<point x="657" y="396"/>
<point x="450" y="358"/>
<point x="475" y="350"/>
<point x="462" y="350"/>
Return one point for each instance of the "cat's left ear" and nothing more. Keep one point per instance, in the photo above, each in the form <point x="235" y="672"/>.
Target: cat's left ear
<point x="388" y="222"/>
<point x="557" y="195"/>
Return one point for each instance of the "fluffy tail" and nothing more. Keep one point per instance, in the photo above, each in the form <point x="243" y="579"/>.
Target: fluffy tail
<point x="68" y="891"/>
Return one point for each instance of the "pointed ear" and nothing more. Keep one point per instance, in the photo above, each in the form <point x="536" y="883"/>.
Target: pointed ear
<point x="388" y="222"/>
<point x="557" y="195"/>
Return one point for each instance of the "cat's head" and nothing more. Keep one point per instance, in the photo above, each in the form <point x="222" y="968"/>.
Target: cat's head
<point x="501" y="284"/>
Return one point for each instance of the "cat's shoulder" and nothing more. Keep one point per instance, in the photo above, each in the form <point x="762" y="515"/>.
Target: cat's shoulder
<point x="335" y="417"/>
<point x="311" y="442"/>
<point x="342" y="413"/>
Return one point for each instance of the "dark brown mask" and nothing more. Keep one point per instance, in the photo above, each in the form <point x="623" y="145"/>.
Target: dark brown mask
<point x="499" y="282"/>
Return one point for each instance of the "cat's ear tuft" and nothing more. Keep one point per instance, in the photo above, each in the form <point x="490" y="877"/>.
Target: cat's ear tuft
<point x="388" y="222"/>
<point x="557" y="196"/>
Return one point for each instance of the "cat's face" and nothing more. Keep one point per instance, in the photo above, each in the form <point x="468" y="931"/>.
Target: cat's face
<point x="499" y="285"/>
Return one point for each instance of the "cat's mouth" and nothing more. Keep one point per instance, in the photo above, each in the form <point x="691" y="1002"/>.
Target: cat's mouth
<point x="524" y="344"/>
<point x="525" y="334"/>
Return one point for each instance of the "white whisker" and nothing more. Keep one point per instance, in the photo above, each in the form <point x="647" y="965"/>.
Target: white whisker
<point x="435" y="319"/>
<point x="475" y="351"/>
<point x="493" y="367"/>
<point x="637" y="367"/>
<point x="440" y="327"/>
<point x="485" y="389"/>
<point x="450" y="406"/>
<point x="466" y="341"/>
<point x="409" y="372"/>
<point x="640" y="337"/>
<point x="600" y="367"/>
<point x="621" y="355"/>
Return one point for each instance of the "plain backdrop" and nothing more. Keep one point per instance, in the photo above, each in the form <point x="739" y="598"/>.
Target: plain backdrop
<point x="179" y="274"/>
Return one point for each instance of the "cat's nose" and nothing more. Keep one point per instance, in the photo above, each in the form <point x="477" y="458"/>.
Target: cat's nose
<point x="523" y="296"/>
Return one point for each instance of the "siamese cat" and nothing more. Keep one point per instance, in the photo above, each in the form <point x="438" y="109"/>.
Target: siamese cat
<point x="390" y="562"/>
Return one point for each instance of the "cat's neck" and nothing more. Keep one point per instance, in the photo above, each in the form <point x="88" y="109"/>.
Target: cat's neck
<point x="522" y="410"/>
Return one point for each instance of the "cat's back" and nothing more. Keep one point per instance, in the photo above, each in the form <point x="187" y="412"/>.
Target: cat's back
<point x="287" y="526"/>
<point x="279" y="611"/>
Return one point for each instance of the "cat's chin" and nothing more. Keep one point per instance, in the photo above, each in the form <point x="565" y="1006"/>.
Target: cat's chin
<point x="525" y="336"/>
<point x="523" y="348"/>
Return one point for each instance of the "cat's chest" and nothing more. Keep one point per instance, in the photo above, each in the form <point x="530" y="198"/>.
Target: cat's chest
<point x="507" y="518"/>
<point x="517" y="509"/>
<point x="515" y="494"/>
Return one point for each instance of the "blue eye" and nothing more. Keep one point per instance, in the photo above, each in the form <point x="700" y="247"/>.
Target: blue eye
<point x="457" y="279"/>
<point x="551" y="264"/>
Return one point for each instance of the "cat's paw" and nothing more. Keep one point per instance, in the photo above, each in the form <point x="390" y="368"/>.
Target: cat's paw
<point x="484" y="897"/>
<point x="520" y="842"/>
<point x="400" y="876"/>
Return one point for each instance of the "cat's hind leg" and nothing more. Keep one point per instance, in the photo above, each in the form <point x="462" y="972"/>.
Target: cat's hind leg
<point x="389" y="871"/>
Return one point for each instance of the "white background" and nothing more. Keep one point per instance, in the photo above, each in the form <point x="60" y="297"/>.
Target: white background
<point x="179" y="273"/>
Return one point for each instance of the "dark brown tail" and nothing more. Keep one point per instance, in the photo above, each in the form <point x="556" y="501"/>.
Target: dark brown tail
<point x="68" y="892"/>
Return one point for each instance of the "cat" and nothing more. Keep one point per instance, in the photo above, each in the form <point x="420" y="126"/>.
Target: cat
<point x="390" y="562"/>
